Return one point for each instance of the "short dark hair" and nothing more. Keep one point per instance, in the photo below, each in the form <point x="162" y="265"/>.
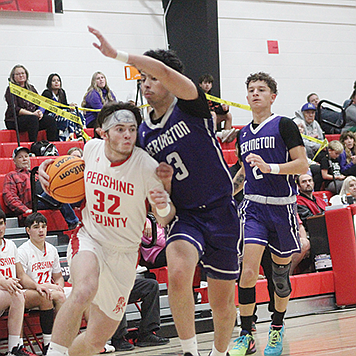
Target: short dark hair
<point x="271" y="83"/>
<point x="113" y="106"/>
<point x="208" y="78"/>
<point x="168" y="57"/>
<point x="2" y="215"/>
<point x="35" y="218"/>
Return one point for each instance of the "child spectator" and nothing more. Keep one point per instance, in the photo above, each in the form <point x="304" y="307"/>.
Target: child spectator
<point x="330" y="168"/>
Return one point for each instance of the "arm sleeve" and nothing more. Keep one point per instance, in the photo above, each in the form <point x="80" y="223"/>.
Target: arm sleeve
<point x="290" y="133"/>
<point x="198" y="107"/>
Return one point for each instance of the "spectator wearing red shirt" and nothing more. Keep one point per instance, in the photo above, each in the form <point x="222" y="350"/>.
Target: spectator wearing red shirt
<point x="17" y="190"/>
<point x="308" y="204"/>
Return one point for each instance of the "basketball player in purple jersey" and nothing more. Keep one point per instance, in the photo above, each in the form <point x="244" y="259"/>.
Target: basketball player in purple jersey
<point x="180" y="133"/>
<point x="272" y="151"/>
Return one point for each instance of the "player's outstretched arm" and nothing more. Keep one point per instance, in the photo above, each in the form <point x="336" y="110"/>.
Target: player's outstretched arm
<point x="178" y="84"/>
<point x="162" y="207"/>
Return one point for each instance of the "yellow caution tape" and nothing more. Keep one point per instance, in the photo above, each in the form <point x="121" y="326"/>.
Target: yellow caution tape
<point x="48" y="104"/>
<point x="322" y="144"/>
<point x="230" y="103"/>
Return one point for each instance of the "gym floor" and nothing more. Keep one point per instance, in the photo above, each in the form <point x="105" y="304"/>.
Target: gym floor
<point x="331" y="333"/>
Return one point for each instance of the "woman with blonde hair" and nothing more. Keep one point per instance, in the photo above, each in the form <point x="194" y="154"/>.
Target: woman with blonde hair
<point x="96" y="96"/>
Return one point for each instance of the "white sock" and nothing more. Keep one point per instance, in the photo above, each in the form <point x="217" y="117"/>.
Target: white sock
<point x="13" y="340"/>
<point x="215" y="352"/>
<point x="57" y="350"/>
<point x="190" y="345"/>
<point x="46" y="339"/>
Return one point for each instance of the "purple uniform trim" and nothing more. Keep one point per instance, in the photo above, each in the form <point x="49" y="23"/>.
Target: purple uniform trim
<point x="218" y="242"/>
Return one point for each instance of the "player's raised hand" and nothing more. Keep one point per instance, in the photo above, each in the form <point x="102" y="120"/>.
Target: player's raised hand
<point x="105" y="47"/>
<point x="165" y="173"/>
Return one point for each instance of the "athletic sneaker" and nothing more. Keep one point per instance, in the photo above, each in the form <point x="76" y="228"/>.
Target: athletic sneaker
<point x="275" y="342"/>
<point x="245" y="345"/>
<point x="151" y="339"/>
<point x="20" y="351"/>
<point x="45" y="349"/>
<point x="107" y="349"/>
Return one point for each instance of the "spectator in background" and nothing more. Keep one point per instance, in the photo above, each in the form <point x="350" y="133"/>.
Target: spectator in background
<point x="155" y="256"/>
<point x="219" y="112"/>
<point x="96" y="96"/>
<point x="351" y="114"/>
<point x="326" y="114"/>
<point x="330" y="168"/>
<point x="347" y="102"/>
<point x="312" y="127"/>
<point x="311" y="149"/>
<point x="348" y="189"/>
<point x="17" y="190"/>
<point x="76" y="152"/>
<point x="54" y="91"/>
<point x="12" y="281"/>
<point x="29" y="116"/>
<point x="307" y="204"/>
<point x="347" y="158"/>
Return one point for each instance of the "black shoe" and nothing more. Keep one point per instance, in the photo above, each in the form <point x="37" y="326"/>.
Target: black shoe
<point x="151" y="339"/>
<point x="45" y="349"/>
<point x="122" y="344"/>
<point x="20" y="351"/>
<point x="73" y="226"/>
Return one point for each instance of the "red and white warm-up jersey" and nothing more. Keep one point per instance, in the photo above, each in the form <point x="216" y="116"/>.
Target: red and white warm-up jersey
<point x="116" y="208"/>
<point x="8" y="258"/>
<point x="39" y="265"/>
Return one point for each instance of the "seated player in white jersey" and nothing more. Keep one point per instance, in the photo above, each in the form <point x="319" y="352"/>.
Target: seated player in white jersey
<point x="40" y="261"/>
<point x="119" y="179"/>
<point x="272" y="152"/>
<point x="180" y="132"/>
<point x="12" y="281"/>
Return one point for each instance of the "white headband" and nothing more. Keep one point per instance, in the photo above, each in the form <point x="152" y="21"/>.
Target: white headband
<point x="119" y="117"/>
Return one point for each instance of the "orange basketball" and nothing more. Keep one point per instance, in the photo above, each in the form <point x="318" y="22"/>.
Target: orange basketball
<point x="66" y="179"/>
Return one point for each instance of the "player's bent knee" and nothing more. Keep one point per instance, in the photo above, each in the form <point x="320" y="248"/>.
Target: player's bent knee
<point x="281" y="280"/>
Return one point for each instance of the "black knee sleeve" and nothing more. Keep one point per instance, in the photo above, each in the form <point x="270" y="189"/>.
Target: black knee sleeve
<point x="281" y="281"/>
<point x="46" y="321"/>
<point x="247" y="295"/>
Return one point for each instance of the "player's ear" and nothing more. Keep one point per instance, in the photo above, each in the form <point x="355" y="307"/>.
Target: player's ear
<point x="101" y="132"/>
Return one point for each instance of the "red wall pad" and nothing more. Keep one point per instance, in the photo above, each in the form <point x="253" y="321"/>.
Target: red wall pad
<point x="342" y="244"/>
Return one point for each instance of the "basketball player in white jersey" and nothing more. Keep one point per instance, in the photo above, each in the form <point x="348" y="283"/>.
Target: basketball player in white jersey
<point x="12" y="280"/>
<point x="119" y="178"/>
<point x="40" y="261"/>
